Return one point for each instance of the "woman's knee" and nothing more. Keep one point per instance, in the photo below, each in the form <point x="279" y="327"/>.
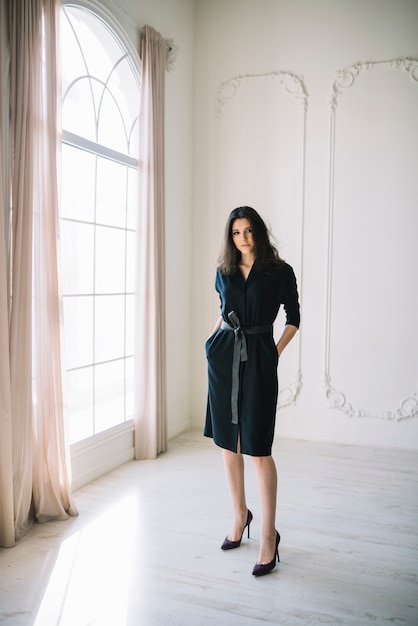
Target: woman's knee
<point x="263" y="461"/>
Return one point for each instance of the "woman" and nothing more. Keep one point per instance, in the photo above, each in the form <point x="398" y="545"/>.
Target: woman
<point x="252" y="282"/>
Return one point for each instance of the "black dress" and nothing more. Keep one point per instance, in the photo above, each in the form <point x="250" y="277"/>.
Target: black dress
<point x="255" y="302"/>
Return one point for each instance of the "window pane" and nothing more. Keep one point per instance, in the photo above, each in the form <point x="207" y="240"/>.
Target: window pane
<point x="134" y="139"/>
<point x="112" y="131"/>
<point x="128" y="101"/>
<point x="78" y="324"/>
<point x="78" y="184"/>
<point x="111" y="193"/>
<point x="110" y="394"/>
<point x="73" y="64"/>
<point x="130" y="328"/>
<point x="132" y="198"/>
<point x="110" y="260"/>
<point x="78" y="114"/>
<point x="100" y="48"/>
<point x="130" y="262"/>
<point x="109" y="328"/>
<point x="80" y="403"/>
<point x="77" y="253"/>
<point x="129" y="386"/>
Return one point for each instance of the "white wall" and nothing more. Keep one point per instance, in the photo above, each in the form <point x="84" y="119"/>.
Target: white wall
<point x="372" y="341"/>
<point x="349" y="230"/>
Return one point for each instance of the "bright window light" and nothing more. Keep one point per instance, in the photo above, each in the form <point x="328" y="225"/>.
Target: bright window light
<point x="100" y="109"/>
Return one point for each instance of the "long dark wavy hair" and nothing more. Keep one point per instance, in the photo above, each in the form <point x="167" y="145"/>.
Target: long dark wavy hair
<point x="266" y="254"/>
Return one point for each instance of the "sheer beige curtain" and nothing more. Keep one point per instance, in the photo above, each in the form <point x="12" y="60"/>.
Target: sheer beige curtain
<point x="150" y="410"/>
<point x="34" y="480"/>
<point x="6" y="477"/>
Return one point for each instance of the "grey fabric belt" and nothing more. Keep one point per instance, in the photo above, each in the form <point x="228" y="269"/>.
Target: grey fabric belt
<point x="240" y="354"/>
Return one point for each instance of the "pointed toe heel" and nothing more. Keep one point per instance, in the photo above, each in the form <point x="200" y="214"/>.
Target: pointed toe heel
<point x="230" y="545"/>
<point x="261" y="569"/>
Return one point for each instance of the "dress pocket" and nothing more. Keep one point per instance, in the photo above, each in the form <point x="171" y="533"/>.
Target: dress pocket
<point x="209" y="343"/>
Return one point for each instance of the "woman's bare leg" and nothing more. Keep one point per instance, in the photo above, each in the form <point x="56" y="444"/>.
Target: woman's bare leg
<point x="266" y="474"/>
<point x="234" y="469"/>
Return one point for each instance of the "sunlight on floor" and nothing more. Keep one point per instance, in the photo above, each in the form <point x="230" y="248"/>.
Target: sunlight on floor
<point x="89" y="584"/>
<point x="145" y="549"/>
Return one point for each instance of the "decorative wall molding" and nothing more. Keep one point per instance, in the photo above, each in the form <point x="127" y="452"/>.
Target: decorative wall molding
<point x="347" y="77"/>
<point x="172" y="51"/>
<point x="294" y="86"/>
<point x="337" y="399"/>
<point x="288" y="395"/>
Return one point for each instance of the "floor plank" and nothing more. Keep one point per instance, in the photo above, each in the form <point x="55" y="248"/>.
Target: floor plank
<point x="144" y="550"/>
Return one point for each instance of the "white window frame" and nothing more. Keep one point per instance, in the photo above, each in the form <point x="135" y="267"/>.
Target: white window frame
<point x="102" y="452"/>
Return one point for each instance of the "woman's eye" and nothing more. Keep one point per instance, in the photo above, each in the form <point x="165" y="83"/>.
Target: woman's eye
<point x="235" y="233"/>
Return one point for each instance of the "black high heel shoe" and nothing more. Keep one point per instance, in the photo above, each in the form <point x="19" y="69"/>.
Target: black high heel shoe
<point x="261" y="570"/>
<point x="230" y="545"/>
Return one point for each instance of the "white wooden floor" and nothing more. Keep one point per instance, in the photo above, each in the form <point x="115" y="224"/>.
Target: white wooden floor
<point x="145" y="550"/>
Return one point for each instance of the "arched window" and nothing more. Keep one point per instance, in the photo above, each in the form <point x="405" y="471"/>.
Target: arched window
<point x="100" y="108"/>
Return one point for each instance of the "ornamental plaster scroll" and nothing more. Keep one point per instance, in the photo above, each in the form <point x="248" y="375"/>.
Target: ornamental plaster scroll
<point x="294" y="86"/>
<point x="346" y="77"/>
<point x="172" y="51"/>
<point x="337" y="399"/>
<point x="288" y="395"/>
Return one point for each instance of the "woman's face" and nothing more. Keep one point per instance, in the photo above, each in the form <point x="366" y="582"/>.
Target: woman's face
<point x="242" y="236"/>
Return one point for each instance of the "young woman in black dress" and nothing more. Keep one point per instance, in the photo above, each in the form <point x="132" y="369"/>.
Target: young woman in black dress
<point x="253" y="282"/>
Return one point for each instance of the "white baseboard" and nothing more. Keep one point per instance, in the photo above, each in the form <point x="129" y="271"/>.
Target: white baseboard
<point x="180" y="427"/>
<point x="98" y="455"/>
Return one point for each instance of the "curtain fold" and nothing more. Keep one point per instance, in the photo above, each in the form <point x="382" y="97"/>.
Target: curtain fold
<point x="51" y="484"/>
<point x="150" y="372"/>
<point x="6" y="476"/>
<point x="23" y="76"/>
<point x="32" y="378"/>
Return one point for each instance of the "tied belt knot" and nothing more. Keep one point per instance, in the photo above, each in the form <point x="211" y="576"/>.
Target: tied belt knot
<point x="240" y="353"/>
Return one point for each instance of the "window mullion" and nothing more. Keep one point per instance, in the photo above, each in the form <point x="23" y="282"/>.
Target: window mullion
<point x="96" y="148"/>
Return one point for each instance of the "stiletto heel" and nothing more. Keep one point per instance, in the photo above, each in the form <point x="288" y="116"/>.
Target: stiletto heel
<point x="260" y="569"/>
<point x="230" y="545"/>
